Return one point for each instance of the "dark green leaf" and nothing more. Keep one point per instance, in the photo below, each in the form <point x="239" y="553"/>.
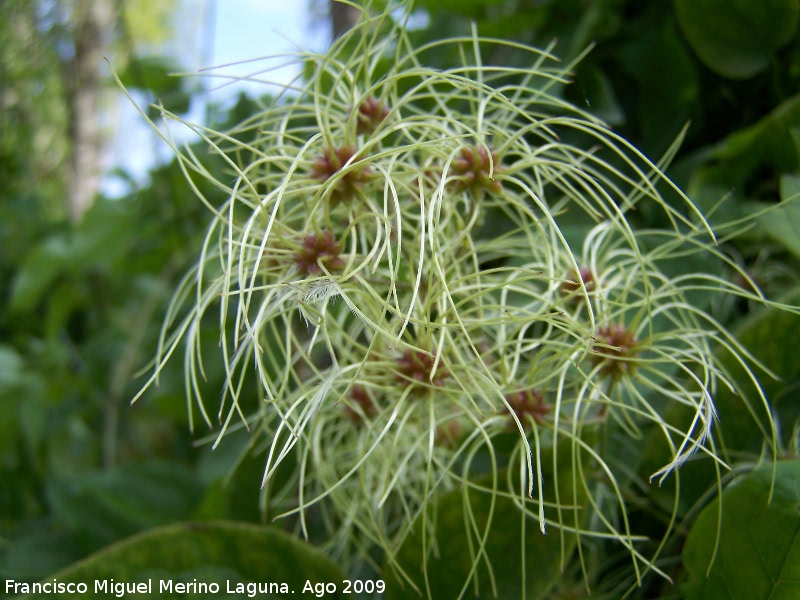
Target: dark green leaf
<point x="104" y="234"/>
<point x="667" y="87"/>
<point x="531" y="574"/>
<point x="213" y="552"/>
<point x="102" y="238"/>
<point x="771" y="335"/>
<point x="598" y="95"/>
<point x="737" y="165"/>
<point x="37" y="273"/>
<point x="770" y="141"/>
<point x="10" y="367"/>
<point x="106" y="506"/>
<point x="40" y="551"/>
<point x="757" y="543"/>
<point x="736" y="38"/>
<point x="782" y="223"/>
<point x="11" y="376"/>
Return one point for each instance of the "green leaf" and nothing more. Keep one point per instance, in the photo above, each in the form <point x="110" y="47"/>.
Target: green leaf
<point x="106" y="506"/>
<point x="667" y="88"/>
<point x="773" y="336"/>
<point x="216" y="552"/>
<point x="782" y="223"/>
<point x="104" y="235"/>
<point x="37" y="272"/>
<point x="741" y="160"/>
<point x="102" y="239"/>
<point x="598" y="95"/>
<point x="23" y="401"/>
<point x="770" y="334"/>
<point x="11" y="377"/>
<point x="516" y="575"/>
<point x="42" y="549"/>
<point x="758" y="554"/>
<point x="11" y="367"/>
<point x="770" y="141"/>
<point x="737" y="38"/>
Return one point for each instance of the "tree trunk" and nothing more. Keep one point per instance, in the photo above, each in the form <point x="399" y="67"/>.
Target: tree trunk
<point x="93" y="21"/>
<point x="343" y="17"/>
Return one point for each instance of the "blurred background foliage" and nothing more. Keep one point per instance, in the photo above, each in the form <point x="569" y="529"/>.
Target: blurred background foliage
<point x="85" y="279"/>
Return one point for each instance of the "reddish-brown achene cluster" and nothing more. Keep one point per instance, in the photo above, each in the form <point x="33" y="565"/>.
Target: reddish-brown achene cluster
<point x="361" y="398"/>
<point x="471" y="169"/>
<point x="572" y="284"/>
<point x="415" y="367"/>
<point x="525" y="404"/>
<point x="330" y="163"/>
<point x="319" y="249"/>
<point x="449" y="432"/>
<point x="371" y="113"/>
<point x="614" y="362"/>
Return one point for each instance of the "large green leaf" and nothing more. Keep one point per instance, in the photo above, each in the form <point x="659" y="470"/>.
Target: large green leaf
<point x="44" y="548"/>
<point x="667" y="87"/>
<point x="102" y="507"/>
<point x="10" y="367"/>
<point x="768" y="142"/>
<point x="782" y="223"/>
<point x="102" y="239"/>
<point x="23" y="404"/>
<point x="740" y="159"/>
<point x="11" y="375"/>
<point x="772" y="336"/>
<point x="598" y="93"/>
<point x="736" y="38"/>
<point x="37" y="273"/>
<point x="524" y="562"/>
<point x="754" y="552"/>
<point x="219" y="552"/>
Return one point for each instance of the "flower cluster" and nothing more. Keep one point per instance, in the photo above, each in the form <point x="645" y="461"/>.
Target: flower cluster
<point x="406" y="293"/>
